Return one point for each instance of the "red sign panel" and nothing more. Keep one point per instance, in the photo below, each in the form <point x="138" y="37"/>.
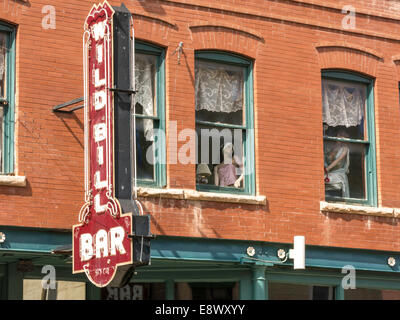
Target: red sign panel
<point x="100" y="241"/>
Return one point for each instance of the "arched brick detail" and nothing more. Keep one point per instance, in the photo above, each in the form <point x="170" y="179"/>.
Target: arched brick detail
<point x="250" y="32"/>
<point x="226" y="39"/>
<point x="165" y="21"/>
<point x="153" y="29"/>
<point x="348" y="58"/>
<point x="396" y="61"/>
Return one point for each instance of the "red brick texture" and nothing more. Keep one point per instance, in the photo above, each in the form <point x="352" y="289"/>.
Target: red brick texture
<point x="290" y="43"/>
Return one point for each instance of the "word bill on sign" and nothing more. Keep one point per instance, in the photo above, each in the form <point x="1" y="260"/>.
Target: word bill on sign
<point x="100" y="242"/>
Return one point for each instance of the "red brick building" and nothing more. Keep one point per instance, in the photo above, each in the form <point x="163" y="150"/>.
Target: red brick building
<point x="314" y="82"/>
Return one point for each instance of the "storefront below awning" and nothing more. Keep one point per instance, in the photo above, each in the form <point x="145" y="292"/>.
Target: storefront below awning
<point x="198" y="268"/>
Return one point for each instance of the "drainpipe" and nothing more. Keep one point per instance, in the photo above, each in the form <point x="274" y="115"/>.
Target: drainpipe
<point x="260" y="285"/>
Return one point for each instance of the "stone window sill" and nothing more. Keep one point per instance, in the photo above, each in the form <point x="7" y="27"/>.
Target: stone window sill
<point x="360" y="210"/>
<point x="185" y="194"/>
<point x="12" y="181"/>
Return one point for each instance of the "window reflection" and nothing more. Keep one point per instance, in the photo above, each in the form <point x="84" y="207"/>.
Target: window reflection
<point x="219" y="97"/>
<point x="345" y="139"/>
<point x="145" y="105"/>
<point x="3" y="55"/>
<point x="220" y="157"/>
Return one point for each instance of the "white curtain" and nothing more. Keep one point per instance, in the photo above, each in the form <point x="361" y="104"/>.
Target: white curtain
<point x="145" y="67"/>
<point x="2" y="63"/>
<point x="218" y="89"/>
<point x="343" y="103"/>
<point x="2" y="93"/>
<point x="1" y="139"/>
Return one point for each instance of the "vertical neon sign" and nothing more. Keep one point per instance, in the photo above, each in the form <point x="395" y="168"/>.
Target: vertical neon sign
<point x="100" y="241"/>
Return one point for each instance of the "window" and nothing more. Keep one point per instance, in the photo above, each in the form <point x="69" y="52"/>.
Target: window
<point x="291" y="291"/>
<point x="135" y="291"/>
<point x="323" y="293"/>
<point x="213" y="291"/>
<point x="224" y="123"/>
<point x="349" y="138"/>
<point x="150" y="123"/>
<point x="371" y="294"/>
<point x="63" y="290"/>
<point x="7" y="63"/>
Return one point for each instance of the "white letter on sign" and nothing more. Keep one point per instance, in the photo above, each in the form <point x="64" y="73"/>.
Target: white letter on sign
<point x="98" y="30"/>
<point x="101" y="243"/>
<point x="97" y="207"/>
<point x="97" y="183"/>
<point x="100" y="152"/>
<point x="86" y="245"/>
<point x="99" y="51"/>
<point x="100" y="132"/>
<point x="100" y="99"/>
<point x="117" y="235"/>
<point x="97" y="81"/>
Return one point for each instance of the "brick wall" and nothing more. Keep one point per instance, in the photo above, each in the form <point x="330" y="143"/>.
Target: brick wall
<point x="290" y="42"/>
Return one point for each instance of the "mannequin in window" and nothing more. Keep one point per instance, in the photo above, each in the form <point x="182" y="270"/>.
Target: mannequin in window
<point x="337" y="167"/>
<point x="225" y="173"/>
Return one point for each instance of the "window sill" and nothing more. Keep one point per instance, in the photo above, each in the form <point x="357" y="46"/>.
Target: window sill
<point x="185" y="194"/>
<point x="12" y="181"/>
<point x="160" y="193"/>
<point x="360" y="210"/>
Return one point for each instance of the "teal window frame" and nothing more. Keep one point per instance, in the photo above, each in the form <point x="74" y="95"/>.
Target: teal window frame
<point x="370" y="156"/>
<point x="7" y="164"/>
<point x="248" y="137"/>
<point x="160" y="179"/>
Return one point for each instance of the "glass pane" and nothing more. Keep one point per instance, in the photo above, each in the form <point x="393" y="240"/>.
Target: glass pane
<point x="390" y="294"/>
<point x="145" y="81"/>
<point x="323" y="293"/>
<point x="68" y="290"/>
<point x="344" y="107"/>
<point x="356" y="133"/>
<point x="371" y="294"/>
<point x="1" y="138"/>
<point x="212" y="291"/>
<point x="219" y="92"/>
<point x="345" y="169"/>
<point x="289" y="291"/>
<point x="145" y="157"/>
<point x="135" y="291"/>
<point x="220" y="157"/>
<point x="3" y="64"/>
<point x="206" y="291"/>
<point x="64" y="290"/>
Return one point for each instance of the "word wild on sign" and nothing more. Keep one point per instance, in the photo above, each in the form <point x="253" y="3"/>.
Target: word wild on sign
<point x="100" y="241"/>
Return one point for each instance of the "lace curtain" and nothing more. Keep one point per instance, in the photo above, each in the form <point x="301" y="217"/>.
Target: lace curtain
<point x="1" y="140"/>
<point x="343" y="103"/>
<point x="145" y="66"/>
<point x="218" y="89"/>
<point x="2" y="62"/>
<point x="2" y="86"/>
